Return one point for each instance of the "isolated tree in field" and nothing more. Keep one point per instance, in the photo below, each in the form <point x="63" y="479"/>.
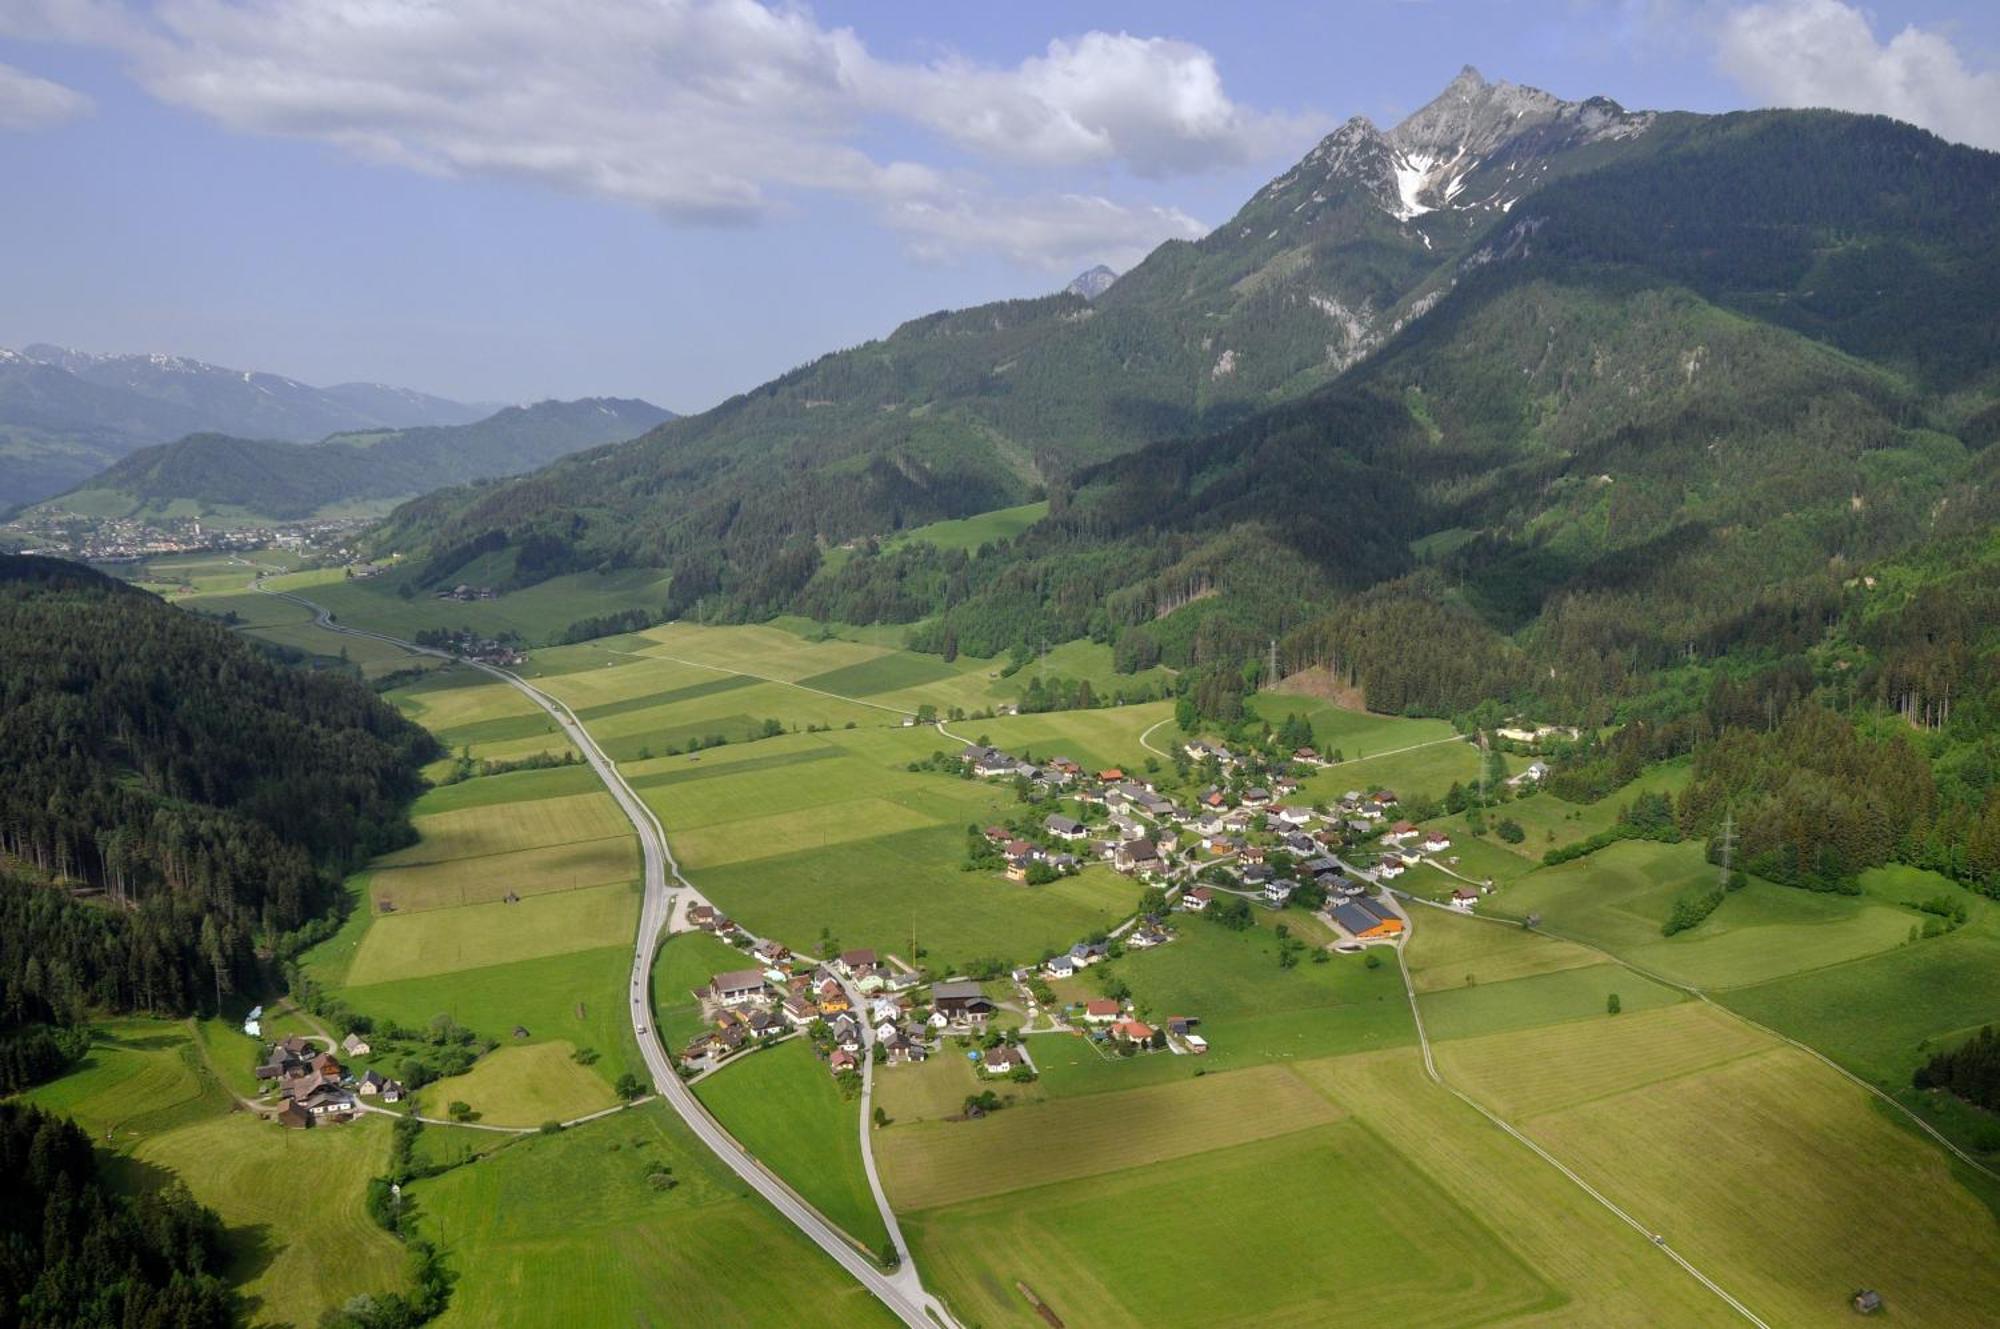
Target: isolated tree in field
<point x="881" y="1118"/>
<point x="459" y="1110"/>
<point x="1612" y="1005"/>
<point x="630" y="1086"/>
<point x="1510" y="831"/>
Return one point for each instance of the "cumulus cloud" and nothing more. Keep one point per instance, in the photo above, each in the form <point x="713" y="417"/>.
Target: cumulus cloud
<point x="1824" y="53"/>
<point x="28" y="102"/>
<point x="700" y="110"/>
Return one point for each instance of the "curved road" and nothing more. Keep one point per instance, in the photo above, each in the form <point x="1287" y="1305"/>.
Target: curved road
<point x="901" y="1289"/>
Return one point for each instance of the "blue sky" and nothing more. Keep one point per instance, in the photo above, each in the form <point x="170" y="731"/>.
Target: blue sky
<point x="677" y="199"/>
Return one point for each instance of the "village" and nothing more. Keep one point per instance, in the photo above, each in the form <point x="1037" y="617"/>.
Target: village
<point x="1240" y="845"/>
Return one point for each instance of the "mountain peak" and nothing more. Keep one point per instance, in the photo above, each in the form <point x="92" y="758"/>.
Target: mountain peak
<point x="1093" y="283"/>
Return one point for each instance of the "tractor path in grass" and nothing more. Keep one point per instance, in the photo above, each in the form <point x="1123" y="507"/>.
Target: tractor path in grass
<point x="901" y="1288"/>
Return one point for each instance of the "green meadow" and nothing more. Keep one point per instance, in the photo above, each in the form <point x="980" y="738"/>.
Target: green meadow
<point x="628" y="1220"/>
<point x="786" y="1109"/>
<point x="536" y="613"/>
<point x="968" y="533"/>
<point x="146" y="1092"/>
<point x="1794" y="1163"/>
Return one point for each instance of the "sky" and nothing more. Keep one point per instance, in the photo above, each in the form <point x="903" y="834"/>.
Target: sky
<point x="507" y="200"/>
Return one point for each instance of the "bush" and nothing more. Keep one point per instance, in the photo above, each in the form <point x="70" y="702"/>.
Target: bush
<point x="1510" y="831"/>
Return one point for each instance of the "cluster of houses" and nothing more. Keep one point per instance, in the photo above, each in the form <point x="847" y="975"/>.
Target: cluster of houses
<point x="315" y="1086"/>
<point x="856" y="994"/>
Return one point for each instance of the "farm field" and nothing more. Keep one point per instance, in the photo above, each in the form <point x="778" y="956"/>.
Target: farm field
<point x="809" y="831"/>
<point x="145" y="1093"/>
<point x="577" y="999"/>
<point x="1098" y="739"/>
<point x="1099" y="1254"/>
<point x="140" y="1076"/>
<point x="1424" y="772"/>
<point x="499" y="829"/>
<point x="926" y="1165"/>
<point x="785" y="1108"/>
<point x="525" y="1086"/>
<point x="1251" y="1011"/>
<point x="1617" y="898"/>
<point x="568" y="1229"/>
<point x="936" y="1088"/>
<point x="1540" y="999"/>
<point x="536" y="613"/>
<point x="1804" y="1191"/>
<point x="1920" y="997"/>
<point x="475" y="936"/>
<point x="291" y="1270"/>
<point x="1449" y="951"/>
<point x="968" y="533"/>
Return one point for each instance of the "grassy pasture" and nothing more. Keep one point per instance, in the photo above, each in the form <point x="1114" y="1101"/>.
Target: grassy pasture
<point x="1144" y="1246"/>
<point x="1552" y="823"/>
<point x="489" y="879"/>
<point x="1618" y="897"/>
<point x="1355" y="734"/>
<point x="763" y="651"/>
<point x="1447" y="951"/>
<point x="575" y="999"/>
<point x="503" y="828"/>
<point x="1098" y="739"/>
<point x="373" y="658"/>
<point x="872" y="893"/>
<point x="936" y="1163"/>
<point x="1782" y="1182"/>
<point x="968" y="533"/>
<point x="934" y="1089"/>
<point x="1426" y="771"/>
<point x="252" y="610"/>
<point x="139" y="1076"/>
<point x="1551" y="1067"/>
<point x="525" y="1086"/>
<point x="1540" y="999"/>
<point x="254" y="1174"/>
<point x="786" y="1109"/>
<point x="536" y="612"/>
<point x="458" y="696"/>
<point x="512" y="787"/>
<point x="566" y="1230"/>
<point x="1919" y="997"/>
<point x="440" y="941"/>
<point x="1251" y="1011"/>
<point x="1608" y="1274"/>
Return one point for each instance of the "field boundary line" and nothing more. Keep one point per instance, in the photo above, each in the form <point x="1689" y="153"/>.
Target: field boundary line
<point x="761" y="678"/>
<point x="1430" y="1069"/>
<point x="1702" y="996"/>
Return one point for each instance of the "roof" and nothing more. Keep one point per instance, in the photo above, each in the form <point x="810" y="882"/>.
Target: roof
<point x="1354" y="918"/>
<point x="738" y="979"/>
<point x="852" y="958"/>
<point x="956" y="990"/>
<point x="1101" y="1006"/>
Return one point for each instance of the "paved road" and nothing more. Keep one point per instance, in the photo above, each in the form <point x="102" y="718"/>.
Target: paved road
<point x="901" y="1290"/>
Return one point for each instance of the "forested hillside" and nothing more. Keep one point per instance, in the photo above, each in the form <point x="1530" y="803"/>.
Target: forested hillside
<point x="171" y="799"/>
<point x="248" y="479"/>
<point x="963" y="411"/>
<point x="76" y="1251"/>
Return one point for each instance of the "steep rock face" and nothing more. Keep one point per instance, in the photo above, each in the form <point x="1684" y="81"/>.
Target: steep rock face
<point x="1093" y="283"/>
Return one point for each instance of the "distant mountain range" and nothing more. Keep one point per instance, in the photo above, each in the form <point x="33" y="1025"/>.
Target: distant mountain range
<point x="232" y="479"/>
<point x="66" y="414"/>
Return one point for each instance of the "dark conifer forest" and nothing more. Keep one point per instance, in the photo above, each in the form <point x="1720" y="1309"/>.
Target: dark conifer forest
<point x="173" y="799"/>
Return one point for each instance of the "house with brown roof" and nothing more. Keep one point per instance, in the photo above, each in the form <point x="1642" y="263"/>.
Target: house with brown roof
<point x="1101" y="1010"/>
<point x="1003" y="1060"/>
<point x="738" y="987"/>
<point x="851" y="961"/>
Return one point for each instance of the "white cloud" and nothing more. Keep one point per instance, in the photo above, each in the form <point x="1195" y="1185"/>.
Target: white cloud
<point x="28" y="102"/>
<point x="701" y="110"/>
<point x="1057" y="233"/>
<point x="1152" y="104"/>
<point x="1824" y="53"/>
